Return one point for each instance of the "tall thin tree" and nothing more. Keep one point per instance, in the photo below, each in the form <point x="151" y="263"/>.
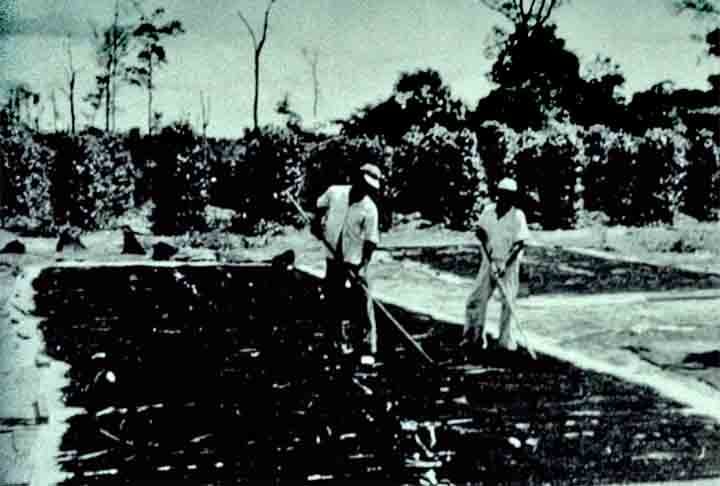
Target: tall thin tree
<point x="205" y="120"/>
<point x="312" y="58"/>
<point x="150" y="33"/>
<point x="258" y="45"/>
<point x="111" y="49"/>
<point x="70" y="78"/>
<point x="55" y="112"/>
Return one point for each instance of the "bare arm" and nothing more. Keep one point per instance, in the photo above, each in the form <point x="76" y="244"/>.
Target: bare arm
<point x="515" y="250"/>
<point x="316" y="225"/>
<point x="369" y="248"/>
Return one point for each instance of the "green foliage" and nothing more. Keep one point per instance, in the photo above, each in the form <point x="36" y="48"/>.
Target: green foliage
<point x="701" y="199"/>
<point x="497" y="144"/>
<point x="181" y="190"/>
<point x="25" y="201"/>
<point x="272" y="165"/>
<point x="636" y="180"/>
<point x="549" y="164"/>
<point x="608" y="178"/>
<point x="441" y="175"/>
<point x="420" y="98"/>
<point x="334" y="160"/>
<point x="660" y="176"/>
<point x="93" y="180"/>
<point x="537" y="78"/>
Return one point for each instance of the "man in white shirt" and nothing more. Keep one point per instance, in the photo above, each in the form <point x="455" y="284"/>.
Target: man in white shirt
<point x="503" y="230"/>
<point x="347" y="219"/>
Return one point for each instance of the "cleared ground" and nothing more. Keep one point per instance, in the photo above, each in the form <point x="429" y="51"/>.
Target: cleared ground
<point x="645" y="337"/>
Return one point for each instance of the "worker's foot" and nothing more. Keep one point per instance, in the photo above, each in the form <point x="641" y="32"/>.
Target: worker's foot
<point x="346" y="348"/>
<point x="507" y="344"/>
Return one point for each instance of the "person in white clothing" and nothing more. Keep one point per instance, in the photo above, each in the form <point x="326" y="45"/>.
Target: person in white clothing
<point x="347" y="219"/>
<point x="502" y="229"/>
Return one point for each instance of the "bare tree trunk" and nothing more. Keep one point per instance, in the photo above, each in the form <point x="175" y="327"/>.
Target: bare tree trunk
<point x="71" y="96"/>
<point x="205" y="114"/>
<point x="150" y="94"/>
<point x="316" y="89"/>
<point x="71" y="75"/>
<point x="53" y="101"/>
<point x="257" y="90"/>
<point x="40" y="109"/>
<point x="257" y="46"/>
<point x="312" y="58"/>
<point x="107" y="103"/>
<point x="113" y="70"/>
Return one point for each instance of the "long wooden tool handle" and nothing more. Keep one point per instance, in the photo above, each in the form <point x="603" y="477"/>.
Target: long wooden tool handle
<point x="356" y="278"/>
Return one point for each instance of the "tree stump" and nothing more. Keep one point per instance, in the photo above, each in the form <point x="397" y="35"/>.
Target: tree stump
<point x="163" y="251"/>
<point x="131" y="245"/>
<point x="15" y="246"/>
<point x="69" y="239"/>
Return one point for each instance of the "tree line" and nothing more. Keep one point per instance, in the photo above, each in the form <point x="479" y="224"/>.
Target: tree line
<point x="565" y="133"/>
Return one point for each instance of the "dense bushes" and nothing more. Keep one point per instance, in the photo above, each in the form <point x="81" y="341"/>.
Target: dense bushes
<point x="659" y="176"/>
<point x="25" y="200"/>
<point x="549" y="164"/>
<point x="272" y="165"/>
<point x="87" y="181"/>
<point x="440" y="175"/>
<point x="334" y="160"/>
<point x="701" y="198"/>
<point x="181" y="189"/>
<point x="497" y="144"/>
<point x="93" y="180"/>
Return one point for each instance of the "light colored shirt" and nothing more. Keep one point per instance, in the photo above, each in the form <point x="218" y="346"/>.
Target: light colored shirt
<point x="357" y="222"/>
<point x="503" y="232"/>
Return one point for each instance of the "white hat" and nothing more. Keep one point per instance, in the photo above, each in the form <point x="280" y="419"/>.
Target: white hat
<point x="508" y="184"/>
<point x="372" y="175"/>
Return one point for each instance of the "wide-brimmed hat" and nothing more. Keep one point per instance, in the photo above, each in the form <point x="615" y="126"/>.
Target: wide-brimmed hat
<point x="372" y="175"/>
<point x="508" y="184"/>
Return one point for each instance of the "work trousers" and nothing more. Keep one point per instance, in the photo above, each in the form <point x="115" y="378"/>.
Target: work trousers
<point x="476" y="307"/>
<point x="348" y="302"/>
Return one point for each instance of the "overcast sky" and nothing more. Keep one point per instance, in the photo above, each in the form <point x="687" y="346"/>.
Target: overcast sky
<point x="363" y="45"/>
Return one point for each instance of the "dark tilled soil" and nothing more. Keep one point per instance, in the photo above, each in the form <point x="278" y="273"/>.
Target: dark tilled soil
<point x="216" y="375"/>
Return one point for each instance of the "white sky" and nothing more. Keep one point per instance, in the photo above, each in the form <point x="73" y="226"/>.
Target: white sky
<point x="363" y="44"/>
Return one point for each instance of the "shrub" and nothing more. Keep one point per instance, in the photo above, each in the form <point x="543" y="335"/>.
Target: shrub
<point x="443" y="176"/>
<point x="93" y="181"/>
<point x="497" y="145"/>
<point x="549" y="164"/>
<point x="273" y="165"/>
<point x="660" y="176"/>
<point x="182" y="182"/>
<point x="609" y="174"/>
<point x="25" y="199"/>
<point x="227" y="157"/>
<point x="334" y="160"/>
<point x="701" y="198"/>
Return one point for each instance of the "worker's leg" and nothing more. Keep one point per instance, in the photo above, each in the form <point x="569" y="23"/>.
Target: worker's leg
<point x="511" y="284"/>
<point x="368" y="322"/>
<point x="334" y="290"/>
<point x="476" y="306"/>
<point x="366" y="325"/>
